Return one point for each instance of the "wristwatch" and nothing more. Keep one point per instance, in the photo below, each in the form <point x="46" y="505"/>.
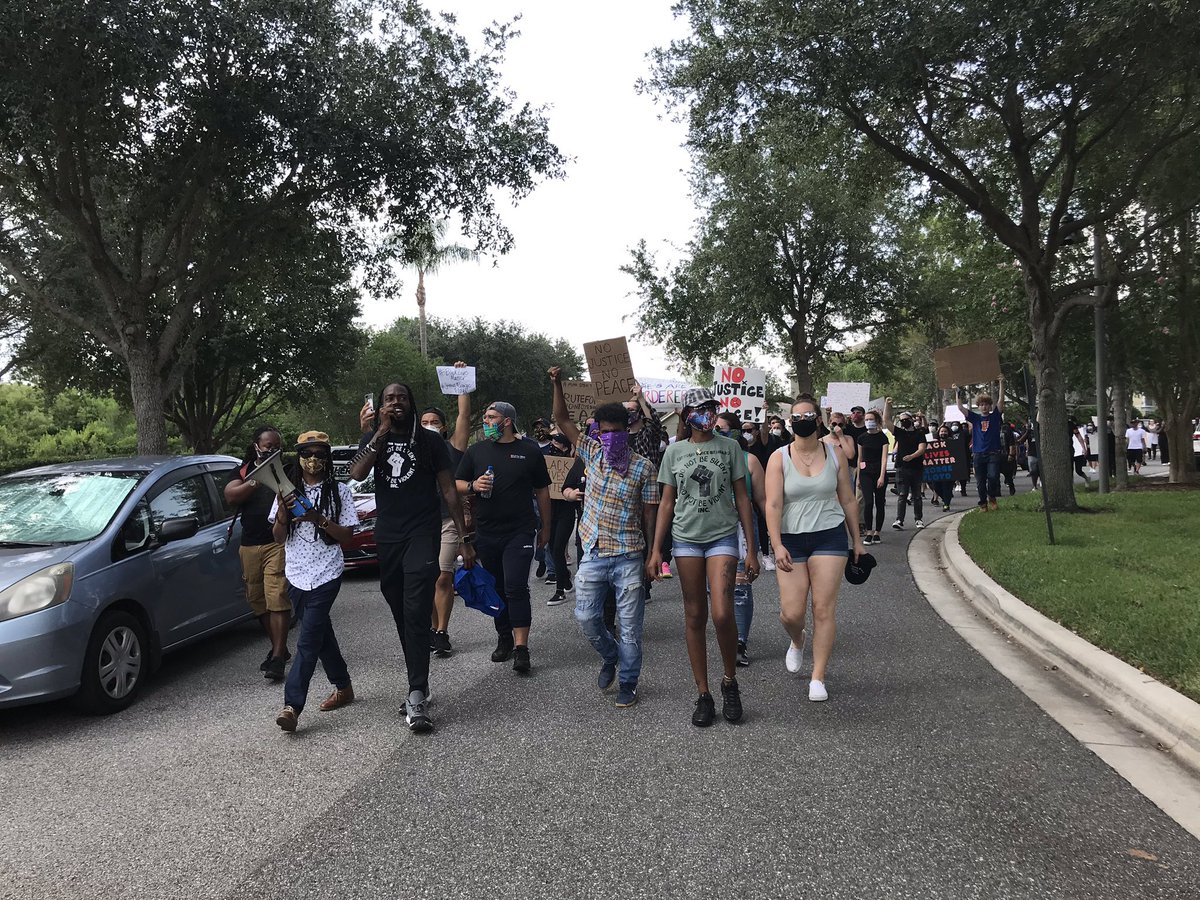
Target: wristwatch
<point x="468" y="538"/>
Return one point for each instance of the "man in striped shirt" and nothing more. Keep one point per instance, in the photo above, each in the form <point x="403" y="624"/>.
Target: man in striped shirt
<point x="619" y="509"/>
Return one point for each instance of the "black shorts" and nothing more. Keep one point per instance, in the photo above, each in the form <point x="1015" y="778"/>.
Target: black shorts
<point x="830" y="542"/>
<point x="1134" y="457"/>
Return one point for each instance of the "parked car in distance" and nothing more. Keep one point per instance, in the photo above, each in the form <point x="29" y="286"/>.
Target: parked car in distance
<point x="361" y="552"/>
<point x="105" y="566"/>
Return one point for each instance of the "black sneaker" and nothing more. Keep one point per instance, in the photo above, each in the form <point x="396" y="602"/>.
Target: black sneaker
<point x="627" y="695"/>
<point x="743" y="658"/>
<point x="705" y="711"/>
<point x="521" y="659"/>
<point x="551" y="579"/>
<point x="558" y="599"/>
<point x="945" y="507"/>
<point x="608" y="674"/>
<point x="274" y="669"/>
<point x="415" y="714"/>
<point x="731" y="700"/>
<point x="440" y="644"/>
<point x="265" y="663"/>
<point x="541" y="570"/>
<point x="504" y="649"/>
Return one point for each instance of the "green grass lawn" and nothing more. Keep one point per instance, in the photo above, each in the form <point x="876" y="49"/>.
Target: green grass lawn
<point x="1124" y="575"/>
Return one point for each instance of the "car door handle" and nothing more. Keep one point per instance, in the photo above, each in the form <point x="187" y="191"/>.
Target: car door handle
<point x="218" y="546"/>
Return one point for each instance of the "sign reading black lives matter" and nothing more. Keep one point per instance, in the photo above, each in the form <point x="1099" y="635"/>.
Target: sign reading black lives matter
<point x="947" y="460"/>
<point x="741" y="390"/>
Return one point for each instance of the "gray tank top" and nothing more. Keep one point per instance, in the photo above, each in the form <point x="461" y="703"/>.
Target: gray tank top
<point x="810" y="503"/>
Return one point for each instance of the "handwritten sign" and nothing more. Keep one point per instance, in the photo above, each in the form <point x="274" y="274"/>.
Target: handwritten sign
<point x="947" y="460"/>
<point x="611" y="369"/>
<point x="456" y="381"/>
<point x="877" y="404"/>
<point x="559" y="467"/>
<point x="974" y="363"/>
<point x="842" y="395"/>
<point x="664" y="394"/>
<point x="953" y="414"/>
<point x="741" y="390"/>
<point x="581" y="399"/>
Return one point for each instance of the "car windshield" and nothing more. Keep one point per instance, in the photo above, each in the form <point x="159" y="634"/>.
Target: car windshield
<point x="61" y="508"/>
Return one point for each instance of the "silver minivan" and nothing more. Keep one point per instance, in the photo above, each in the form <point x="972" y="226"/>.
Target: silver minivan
<point x="106" y="565"/>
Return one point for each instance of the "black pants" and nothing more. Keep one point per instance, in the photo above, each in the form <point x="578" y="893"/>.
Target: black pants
<point x="508" y="558"/>
<point x="873" y="497"/>
<point x="909" y="486"/>
<point x="944" y="490"/>
<point x="562" y="523"/>
<point x="1080" y="461"/>
<point x="764" y="537"/>
<point x="408" y="572"/>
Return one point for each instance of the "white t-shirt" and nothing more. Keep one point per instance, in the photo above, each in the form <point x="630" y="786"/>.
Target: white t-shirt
<point x="1136" y="437"/>
<point x="1080" y="446"/>
<point x="309" y="562"/>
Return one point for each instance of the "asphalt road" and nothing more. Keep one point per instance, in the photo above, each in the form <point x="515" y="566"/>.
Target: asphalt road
<point x="927" y="774"/>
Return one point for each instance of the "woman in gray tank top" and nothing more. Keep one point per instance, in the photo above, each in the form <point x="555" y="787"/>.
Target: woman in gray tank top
<point x="810" y="509"/>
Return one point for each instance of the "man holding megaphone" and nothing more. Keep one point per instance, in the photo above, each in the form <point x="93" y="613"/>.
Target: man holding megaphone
<point x="412" y="480"/>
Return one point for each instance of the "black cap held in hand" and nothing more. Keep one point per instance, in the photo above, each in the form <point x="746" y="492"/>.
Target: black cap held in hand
<point x="858" y="572"/>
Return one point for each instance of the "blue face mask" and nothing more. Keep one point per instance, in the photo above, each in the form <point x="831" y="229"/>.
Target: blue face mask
<point x="725" y="432"/>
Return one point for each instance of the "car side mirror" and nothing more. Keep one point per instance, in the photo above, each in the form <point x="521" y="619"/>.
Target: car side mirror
<point x="179" y="529"/>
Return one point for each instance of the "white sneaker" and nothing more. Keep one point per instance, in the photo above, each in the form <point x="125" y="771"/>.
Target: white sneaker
<point x="816" y="691"/>
<point x="795" y="658"/>
<point x="768" y="564"/>
<point x="897" y="524"/>
<point x="919" y="524"/>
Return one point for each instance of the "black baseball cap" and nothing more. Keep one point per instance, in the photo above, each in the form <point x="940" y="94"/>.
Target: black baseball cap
<point x="859" y="572"/>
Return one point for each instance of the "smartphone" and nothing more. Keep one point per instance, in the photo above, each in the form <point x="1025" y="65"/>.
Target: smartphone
<point x="369" y="399"/>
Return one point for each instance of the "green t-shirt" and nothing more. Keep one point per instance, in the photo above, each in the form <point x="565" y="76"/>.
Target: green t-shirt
<point x="703" y="477"/>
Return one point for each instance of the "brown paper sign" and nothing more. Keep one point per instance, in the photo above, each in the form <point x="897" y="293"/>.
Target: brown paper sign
<point x="559" y="467"/>
<point x="975" y="363"/>
<point x="581" y="399"/>
<point x="611" y="369"/>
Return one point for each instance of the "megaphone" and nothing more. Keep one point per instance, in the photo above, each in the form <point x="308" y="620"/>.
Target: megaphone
<point x="270" y="473"/>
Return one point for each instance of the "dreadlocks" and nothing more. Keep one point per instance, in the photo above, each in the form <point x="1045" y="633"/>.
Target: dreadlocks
<point x="329" y="504"/>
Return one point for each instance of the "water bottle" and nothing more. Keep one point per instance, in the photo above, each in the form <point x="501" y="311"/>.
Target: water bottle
<point x="488" y="493"/>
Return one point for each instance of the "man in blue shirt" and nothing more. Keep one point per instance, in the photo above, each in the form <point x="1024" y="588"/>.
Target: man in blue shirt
<point x="986" y="426"/>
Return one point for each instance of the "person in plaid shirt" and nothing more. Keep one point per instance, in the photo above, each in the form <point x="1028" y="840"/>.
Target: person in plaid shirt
<point x="619" y="509"/>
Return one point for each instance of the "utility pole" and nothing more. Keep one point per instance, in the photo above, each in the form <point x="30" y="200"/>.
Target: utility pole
<point x="1101" y="360"/>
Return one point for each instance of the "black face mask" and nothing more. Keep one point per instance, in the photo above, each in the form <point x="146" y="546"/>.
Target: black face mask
<point x="804" y="427"/>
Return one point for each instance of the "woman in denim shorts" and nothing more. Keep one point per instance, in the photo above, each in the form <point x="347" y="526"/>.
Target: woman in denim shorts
<point x="810" y="508"/>
<point x="704" y="498"/>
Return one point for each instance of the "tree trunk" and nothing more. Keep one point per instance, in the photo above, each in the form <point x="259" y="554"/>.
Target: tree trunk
<point x="801" y="360"/>
<point x="421" y="307"/>
<point x="1178" y="424"/>
<point x="1120" y="423"/>
<point x="146" y="390"/>
<point x="1055" y="444"/>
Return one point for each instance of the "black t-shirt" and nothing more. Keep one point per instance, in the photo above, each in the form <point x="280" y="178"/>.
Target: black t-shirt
<point x="408" y="500"/>
<point x="520" y="469"/>
<point x="854" y="432"/>
<point x="907" y="442"/>
<point x="456" y="456"/>
<point x="256" y="530"/>
<point x="874" y="446"/>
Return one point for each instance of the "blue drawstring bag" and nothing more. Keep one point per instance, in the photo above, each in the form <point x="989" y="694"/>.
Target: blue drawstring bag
<point x="477" y="587"/>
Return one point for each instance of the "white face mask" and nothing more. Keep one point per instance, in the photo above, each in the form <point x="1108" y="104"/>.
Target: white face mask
<point x="432" y="428"/>
<point x="872" y="425"/>
<point x="777" y="432"/>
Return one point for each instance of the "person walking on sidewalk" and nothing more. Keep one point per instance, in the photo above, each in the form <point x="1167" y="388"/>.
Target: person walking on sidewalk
<point x="413" y="479"/>
<point x="261" y="556"/>
<point x="506" y="475"/>
<point x="704" y="498"/>
<point x="872" y="475"/>
<point x="810" y="511"/>
<point x="618" y="513"/>
<point x="985" y="443"/>
<point x="910" y="469"/>
<point x="314" y="563"/>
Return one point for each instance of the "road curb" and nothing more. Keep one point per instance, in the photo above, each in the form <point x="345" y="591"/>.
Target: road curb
<point x="1166" y="715"/>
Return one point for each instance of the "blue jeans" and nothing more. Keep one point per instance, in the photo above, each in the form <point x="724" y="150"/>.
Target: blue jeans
<point x="316" y="642"/>
<point x="592" y="580"/>
<point x="987" y="476"/>
<point x="743" y="594"/>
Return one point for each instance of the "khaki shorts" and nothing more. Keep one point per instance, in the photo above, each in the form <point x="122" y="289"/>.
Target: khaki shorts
<point x="449" y="550"/>
<point x="266" y="585"/>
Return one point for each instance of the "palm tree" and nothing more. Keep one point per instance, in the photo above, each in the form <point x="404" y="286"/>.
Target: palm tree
<point x="426" y="253"/>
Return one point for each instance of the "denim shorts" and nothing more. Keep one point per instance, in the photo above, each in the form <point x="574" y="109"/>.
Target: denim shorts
<point x="830" y="542"/>
<point x="725" y="546"/>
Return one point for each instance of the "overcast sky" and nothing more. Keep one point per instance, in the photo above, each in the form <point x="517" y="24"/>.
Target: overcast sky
<point x="627" y="179"/>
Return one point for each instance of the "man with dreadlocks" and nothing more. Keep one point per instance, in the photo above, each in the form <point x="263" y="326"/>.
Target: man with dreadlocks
<point x="412" y="480"/>
<point x="314" y="563"/>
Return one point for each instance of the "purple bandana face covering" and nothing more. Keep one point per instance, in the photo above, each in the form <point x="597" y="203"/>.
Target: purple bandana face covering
<point x="616" y="450"/>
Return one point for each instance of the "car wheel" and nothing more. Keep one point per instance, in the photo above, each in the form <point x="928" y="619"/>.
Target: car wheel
<point x="115" y="664"/>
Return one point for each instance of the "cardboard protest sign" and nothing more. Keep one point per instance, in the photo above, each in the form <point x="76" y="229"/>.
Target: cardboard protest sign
<point x="877" y="404"/>
<point x="559" y="467"/>
<point x="842" y="395"/>
<point x="953" y="414"/>
<point x="947" y="460"/>
<point x="741" y="390"/>
<point x="664" y="394"/>
<point x="974" y="363"/>
<point x="824" y="402"/>
<point x="581" y="399"/>
<point x="611" y="369"/>
<point x="456" y="381"/>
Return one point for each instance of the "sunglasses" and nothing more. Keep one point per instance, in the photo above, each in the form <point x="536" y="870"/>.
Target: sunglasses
<point x="808" y="416"/>
<point x="320" y="453"/>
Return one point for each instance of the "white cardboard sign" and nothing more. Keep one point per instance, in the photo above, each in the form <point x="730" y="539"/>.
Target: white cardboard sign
<point x="842" y="395"/>
<point x="664" y="394"/>
<point x="455" y="381"/>
<point x="741" y="390"/>
<point x="953" y="414"/>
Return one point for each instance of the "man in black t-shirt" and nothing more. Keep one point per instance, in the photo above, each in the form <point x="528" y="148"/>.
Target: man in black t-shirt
<point x="910" y="469"/>
<point x="412" y="480"/>
<point x="506" y="528"/>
